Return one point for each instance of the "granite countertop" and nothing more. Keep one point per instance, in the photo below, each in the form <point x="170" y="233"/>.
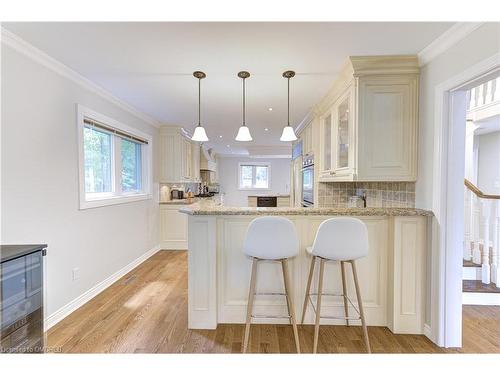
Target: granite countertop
<point x="269" y="195"/>
<point x="10" y="252"/>
<point x="212" y="209"/>
<point x="179" y="201"/>
<point x="188" y="201"/>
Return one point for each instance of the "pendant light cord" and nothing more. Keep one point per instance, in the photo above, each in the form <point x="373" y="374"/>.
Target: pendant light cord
<point x="288" y="101"/>
<point x="199" y="101"/>
<point x="244" y="101"/>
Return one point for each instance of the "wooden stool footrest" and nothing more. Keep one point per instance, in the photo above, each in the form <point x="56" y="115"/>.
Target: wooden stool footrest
<point x="335" y="295"/>
<point x="271" y="316"/>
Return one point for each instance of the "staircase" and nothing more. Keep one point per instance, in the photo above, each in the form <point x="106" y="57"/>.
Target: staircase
<point x="481" y="264"/>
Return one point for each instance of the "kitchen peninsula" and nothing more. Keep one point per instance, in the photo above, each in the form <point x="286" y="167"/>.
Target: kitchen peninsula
<point x="392" y="277"/>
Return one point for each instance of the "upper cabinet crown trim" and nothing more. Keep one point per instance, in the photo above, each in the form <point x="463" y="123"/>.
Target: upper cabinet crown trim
<point x="387" y="64"/>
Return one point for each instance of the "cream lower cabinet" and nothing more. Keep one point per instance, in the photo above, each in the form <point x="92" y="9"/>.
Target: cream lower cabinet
<point x="369" y="121"/>
<point x="173" y="227"/>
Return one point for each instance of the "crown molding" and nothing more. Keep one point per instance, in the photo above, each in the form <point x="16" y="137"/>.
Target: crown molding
<point x="384" y="64"/>
<point x="446" y="40"/>
<point x="20" y="45"/>
<point x="310" y="115"/>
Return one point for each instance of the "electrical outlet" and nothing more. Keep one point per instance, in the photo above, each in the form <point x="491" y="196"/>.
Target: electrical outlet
<point x="76" y="273"/>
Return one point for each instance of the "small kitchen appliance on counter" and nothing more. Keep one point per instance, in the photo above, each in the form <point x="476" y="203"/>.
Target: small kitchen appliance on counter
<point x="176" y="193"/>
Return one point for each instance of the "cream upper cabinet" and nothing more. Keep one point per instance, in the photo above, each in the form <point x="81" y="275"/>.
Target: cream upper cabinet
<point x="388" y="128"/>
<point x="306" y="136"/>
<point x="178" y="157"/>
<point x="368" y="121"/>
<point x="195" y="160"/>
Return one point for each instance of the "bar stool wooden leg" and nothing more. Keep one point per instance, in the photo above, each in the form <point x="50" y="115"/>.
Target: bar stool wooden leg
<point x="344" y="291"/>
<point x="289" y="301"/>
<point x="360" y="304"/>
<point x="251" y="296"/>
<point x="318" y="304"/>
<point x="308" y="289"/>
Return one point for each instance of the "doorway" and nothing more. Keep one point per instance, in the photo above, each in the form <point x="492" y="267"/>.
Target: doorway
<point x="448" y="200"/>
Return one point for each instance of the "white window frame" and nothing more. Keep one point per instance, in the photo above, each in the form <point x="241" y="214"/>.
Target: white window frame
<point x="255" y="164"/>
<point x="116" y="196"/>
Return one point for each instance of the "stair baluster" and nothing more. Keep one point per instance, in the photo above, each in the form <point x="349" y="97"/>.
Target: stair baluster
<point x="485" y="265"/>
<point x="476" y="210"/>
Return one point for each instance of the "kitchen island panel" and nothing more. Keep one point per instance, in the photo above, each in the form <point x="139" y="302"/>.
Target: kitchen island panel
<point x="391" y="276"/>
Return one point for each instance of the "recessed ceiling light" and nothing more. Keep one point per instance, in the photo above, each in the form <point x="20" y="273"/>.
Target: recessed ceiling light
<point x="266" y="129"/>
<point x="227" y="146"/>
<point x="220" y="136"/>
<point x="270" y="109"/>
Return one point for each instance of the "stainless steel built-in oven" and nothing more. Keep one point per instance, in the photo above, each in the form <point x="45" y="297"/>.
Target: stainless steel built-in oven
<point x="308" y="181"/>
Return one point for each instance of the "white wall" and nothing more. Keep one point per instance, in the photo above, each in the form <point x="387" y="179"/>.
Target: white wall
<point x="40" y="182"/>
<point x="228" y="179"/>
<point x="488" y="171"/>
<point x="479" y="45"/>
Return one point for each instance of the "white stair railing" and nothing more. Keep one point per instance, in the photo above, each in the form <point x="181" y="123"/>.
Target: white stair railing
<point x="484" y="211"/>
<point x="484" y="94"/>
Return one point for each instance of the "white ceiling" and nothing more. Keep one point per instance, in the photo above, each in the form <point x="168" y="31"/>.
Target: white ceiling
<point x="150" y="65"/>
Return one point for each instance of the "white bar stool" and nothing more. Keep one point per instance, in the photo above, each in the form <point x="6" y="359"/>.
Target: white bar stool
<point x="338" y="239"/>
<point x="271" y="238"/>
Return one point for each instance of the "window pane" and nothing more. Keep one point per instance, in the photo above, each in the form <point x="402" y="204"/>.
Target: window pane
<point x="131" y="166"/>
<point x="97" y="154"/>
<point x="261" y="177"/>
<point x="246" y="176"/>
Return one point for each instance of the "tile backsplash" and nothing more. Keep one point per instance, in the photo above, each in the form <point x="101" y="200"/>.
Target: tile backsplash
<point x="378" y="194"/>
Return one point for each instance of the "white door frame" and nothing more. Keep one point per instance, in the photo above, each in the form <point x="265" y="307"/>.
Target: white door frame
<point x="447" y="203"/>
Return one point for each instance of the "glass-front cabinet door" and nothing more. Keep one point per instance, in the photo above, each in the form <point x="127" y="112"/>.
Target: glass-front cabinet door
<point x="326" y="162"/>
<point x="343" y="137"/>
<point x="337" y="140"/>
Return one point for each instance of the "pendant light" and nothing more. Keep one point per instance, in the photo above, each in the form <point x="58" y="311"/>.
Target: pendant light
<point x="199" y="132"/>
<point x="288" y="134"/>
<point x="243" y="133"/>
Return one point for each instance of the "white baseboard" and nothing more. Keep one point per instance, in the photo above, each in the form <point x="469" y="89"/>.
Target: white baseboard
<point x="471" y="273"/>
<point x="67" y="309"/>
<point x="428" y="332"/>
<point x="485" y="299"/>
<point x="174" y="245"/>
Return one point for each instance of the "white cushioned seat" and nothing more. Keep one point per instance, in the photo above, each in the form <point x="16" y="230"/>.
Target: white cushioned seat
<point x="342" y="238"/>
<point x="272" y="238"/>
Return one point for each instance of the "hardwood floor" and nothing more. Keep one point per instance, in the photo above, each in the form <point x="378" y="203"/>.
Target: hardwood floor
<point x="146" y="312"/>
<point x="478" y="287"/>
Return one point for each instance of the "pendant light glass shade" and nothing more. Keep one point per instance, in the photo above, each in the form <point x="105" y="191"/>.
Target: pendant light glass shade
<point x="288" y="134"/>
<point x="243" y="132"/>
<point x="199" y="132"/>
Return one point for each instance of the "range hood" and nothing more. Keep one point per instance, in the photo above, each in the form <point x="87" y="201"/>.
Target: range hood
<point x="207" y="160"/>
